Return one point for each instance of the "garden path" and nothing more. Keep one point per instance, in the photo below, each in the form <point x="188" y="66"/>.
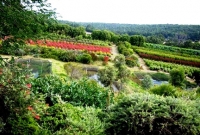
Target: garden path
<point x="142" y="67"/>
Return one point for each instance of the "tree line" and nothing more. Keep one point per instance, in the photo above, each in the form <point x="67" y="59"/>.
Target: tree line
<point x="186" y="36"/>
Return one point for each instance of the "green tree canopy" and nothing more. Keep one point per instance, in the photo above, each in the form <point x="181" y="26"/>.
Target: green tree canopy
<point x="177" y="77"/>
<point x="24" y="19"/>
<point x="107" y="75"/>
<point x="137" y="40"/>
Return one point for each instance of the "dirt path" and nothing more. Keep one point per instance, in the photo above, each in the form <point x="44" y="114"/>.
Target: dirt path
<point x="142" y="67"/>
<point x="114" y="52"/>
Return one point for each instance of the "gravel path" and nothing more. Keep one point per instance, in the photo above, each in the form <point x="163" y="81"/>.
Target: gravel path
<point x="142" y="67"/>
<point x="114" y="52"/>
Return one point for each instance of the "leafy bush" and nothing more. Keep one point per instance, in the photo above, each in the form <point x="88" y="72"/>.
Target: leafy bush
<point x="131" y="61"/>
<point x="15" y="90"/>
<point x="125" y="48"/>
<point x="12" y="46"/>
<point x="67" y="119"/>
<point x="84" y="58"/>
<point x="107" y="75"/>
<point x="24" y="125"/>
<point x="147" y="82"/>
<point x="146" y="114"/>
<point x="79" y="93"/>
<point x="119" y="61"/>
<point x="68" y="55"/>
<point x="164" y="90"/>
<point x="177" y="77"/>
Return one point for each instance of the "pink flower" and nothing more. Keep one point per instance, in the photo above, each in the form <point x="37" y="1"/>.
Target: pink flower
<point x="28" y="85"/>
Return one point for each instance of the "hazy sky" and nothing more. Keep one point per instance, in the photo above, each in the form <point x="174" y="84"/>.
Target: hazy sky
<point x="129" y="11"/>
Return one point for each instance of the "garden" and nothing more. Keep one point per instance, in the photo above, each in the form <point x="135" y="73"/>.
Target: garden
<point x="57" y="80"/>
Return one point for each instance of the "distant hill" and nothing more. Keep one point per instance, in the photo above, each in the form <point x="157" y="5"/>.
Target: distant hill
<point x="186" y="32"/>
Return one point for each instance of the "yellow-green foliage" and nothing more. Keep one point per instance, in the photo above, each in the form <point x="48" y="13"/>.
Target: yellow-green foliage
<point x="65" y="119"/>
<point x="142" y="114"/>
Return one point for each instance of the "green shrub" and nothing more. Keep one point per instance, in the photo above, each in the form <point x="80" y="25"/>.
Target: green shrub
<point x="24" y="125"/>
<point x="12" y="46"/>
<point x="66" y="119"/>
<point x="68" y="55"/>
<point x="177" y="77"/>
<point x="148" y="114"/>
<point x="94" y="56"/>
<point x="127" y="52"/>
<point x="79" y="93"/>
<point x="147" y="82"/>
<point x="85" y="58"/>
<point x="164" y="90"/>
<point x="131" y="61"/>
<point x="15" y="84"/>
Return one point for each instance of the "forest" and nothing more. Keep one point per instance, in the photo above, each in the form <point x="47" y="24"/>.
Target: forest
<point x="58" y="79"/>
<point x="168" y="34"/>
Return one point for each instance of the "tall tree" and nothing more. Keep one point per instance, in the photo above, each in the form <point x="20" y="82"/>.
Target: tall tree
<point x="19" y="20"/>
<point x="137" y="40"/>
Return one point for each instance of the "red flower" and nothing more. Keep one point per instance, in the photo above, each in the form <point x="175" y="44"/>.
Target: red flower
<point x="37" y="117"/>
<point x="30" y="108"/>
<point x="28" y="85"/>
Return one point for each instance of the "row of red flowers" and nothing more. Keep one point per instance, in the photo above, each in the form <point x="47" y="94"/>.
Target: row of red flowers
<point x="171" y="60"/>
<point x="72" y="46"/>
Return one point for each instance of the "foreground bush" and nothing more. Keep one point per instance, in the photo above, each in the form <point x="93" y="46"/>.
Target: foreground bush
<point x="146" y="114"/>
<point x="65" y="119"/>
<point x="79" y="93"/>
<point x="164" y="90"/>
<point x="15" y="97"/>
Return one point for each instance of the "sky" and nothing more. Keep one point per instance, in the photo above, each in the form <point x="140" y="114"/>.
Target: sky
<point x="129" y="11"/>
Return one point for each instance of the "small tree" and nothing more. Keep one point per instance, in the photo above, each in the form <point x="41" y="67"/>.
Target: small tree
<point x="107" y="76"/>
<point x="119" y="61"/>
<point x="123" y="74"/>
<point x="177" y="77"/>
<point x="147" y="82"/>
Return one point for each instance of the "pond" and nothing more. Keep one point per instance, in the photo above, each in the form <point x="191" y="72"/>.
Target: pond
<point x="156" y="82"/>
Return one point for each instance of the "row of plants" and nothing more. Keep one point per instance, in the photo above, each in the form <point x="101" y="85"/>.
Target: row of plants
<point x="79" y="39"/>
<point x="167" y="67"/>
<point x="89" y="41"/>
<point x="59" y="54"/>
<point x="177" y="50"/>
<point x="163" y="56"/>
<point x="71" y="46"/>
